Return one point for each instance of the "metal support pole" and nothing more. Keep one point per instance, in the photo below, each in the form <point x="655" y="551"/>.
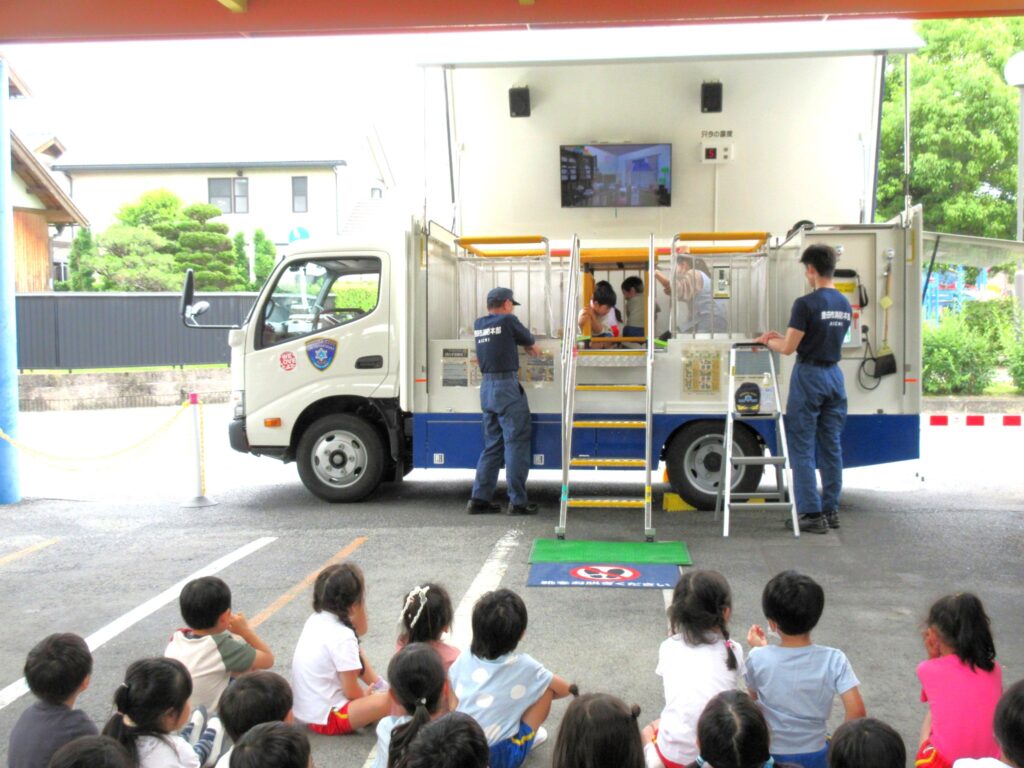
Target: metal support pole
<point x="200" y="499"/>
<point x="1018" y="278"/>
<point x="10" y="486"/>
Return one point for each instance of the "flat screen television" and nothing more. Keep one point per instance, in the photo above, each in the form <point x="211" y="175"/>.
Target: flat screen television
<point x="616" y="175"/>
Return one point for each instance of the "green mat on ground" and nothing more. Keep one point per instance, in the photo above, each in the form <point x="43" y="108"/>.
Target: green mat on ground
<point x="644" y="553"/>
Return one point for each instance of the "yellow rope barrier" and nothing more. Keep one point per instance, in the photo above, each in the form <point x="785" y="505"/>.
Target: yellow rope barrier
<point x="202" y="449"/>
<point x="103" y="457"/>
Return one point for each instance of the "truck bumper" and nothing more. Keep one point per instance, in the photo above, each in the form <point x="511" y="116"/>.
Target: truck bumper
<point x="237" y="436"/>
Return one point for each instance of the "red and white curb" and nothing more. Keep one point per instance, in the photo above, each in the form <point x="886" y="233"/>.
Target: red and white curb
<point x="974" y="420"/>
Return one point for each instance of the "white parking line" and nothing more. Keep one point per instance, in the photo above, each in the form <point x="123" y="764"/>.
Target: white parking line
<point x="17" y="689"/>
<point x="487" y="578"/>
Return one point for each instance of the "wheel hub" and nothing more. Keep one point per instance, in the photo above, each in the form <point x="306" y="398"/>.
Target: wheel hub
<point x="703" y="462"/>
<point x="339" y="458"/>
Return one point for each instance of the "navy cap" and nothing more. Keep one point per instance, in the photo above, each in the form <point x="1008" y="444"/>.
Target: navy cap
<point x="501" y="294"/>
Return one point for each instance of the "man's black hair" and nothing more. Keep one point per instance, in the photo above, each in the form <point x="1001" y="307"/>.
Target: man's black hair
<point x="91" y="752"/>
<point x="499" y="621"/>
<point x="632" y="283"/>
<point x="255" y="697"/>
<point x="866" y="742"/>
<point x="793" y="601"/>
<point x="203" y="601"/>
<point x="57" y="666"/>
<point x="1009" y="724"/>
<point x="271" y="745"/>
<point x="604" y="294"/>
<point x="496" y="303"/>
<point x="822" y="257"/>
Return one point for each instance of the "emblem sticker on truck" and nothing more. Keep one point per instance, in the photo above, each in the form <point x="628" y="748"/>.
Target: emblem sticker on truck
<point x="321" y="353"/>
<point x="288" y="361"/>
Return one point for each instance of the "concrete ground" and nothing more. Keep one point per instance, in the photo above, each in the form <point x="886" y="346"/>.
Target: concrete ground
<point x="91" y="544"/>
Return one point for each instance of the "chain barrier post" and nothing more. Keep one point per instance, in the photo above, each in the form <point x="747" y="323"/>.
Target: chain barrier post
<point x="200" y="499"/>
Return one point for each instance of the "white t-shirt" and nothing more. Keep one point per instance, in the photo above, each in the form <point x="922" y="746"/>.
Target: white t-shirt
<point x="170" y="751"/>
<point x="326" y="648"/>
<point x="693" y="675"/>
<point x="225" y="759"/>
<point x="211" y="660"/>
<point x="384" y="729"/>
<point x="981" y="762"/>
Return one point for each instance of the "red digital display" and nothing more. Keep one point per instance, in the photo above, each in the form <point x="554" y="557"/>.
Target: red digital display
<point x="711" y="153"/>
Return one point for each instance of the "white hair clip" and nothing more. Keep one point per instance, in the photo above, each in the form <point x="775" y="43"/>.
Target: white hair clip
<point x="417" y="593"/>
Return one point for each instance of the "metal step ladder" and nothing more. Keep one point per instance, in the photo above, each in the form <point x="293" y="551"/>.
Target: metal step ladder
<point x="638" y="360"/>
<point x="758" y="367"/>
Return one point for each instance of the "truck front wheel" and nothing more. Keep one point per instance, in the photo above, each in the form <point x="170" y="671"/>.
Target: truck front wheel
<point x="694" y="460"/>
<point x="340" y="458"/>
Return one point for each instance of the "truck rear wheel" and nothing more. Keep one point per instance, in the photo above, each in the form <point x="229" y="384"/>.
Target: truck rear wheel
<point x="694" y="462"/>
<point x="340" y="458"/>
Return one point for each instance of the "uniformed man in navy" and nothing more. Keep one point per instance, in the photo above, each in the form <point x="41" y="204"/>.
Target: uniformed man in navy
<point x="816" y="408"/>
<point x="506" y="412"/>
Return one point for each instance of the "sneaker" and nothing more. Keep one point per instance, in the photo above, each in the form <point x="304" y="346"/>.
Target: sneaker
<point x="481" y="507"/>
<point x="214" y="733"/>
<point x="195" y="726"/>
<point x="539" y="737"/>
<point x="522" y="509"/>
<point x="810" y="524"/>
<point x="832" y="518"/>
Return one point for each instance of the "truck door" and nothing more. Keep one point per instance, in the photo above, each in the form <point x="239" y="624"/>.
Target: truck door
<point x="321" y="330"/>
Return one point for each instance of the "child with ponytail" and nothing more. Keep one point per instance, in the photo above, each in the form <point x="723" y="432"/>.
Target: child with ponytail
<point x="599" y="731"/>
<point x="732" y="733"/>
<point x="328" y="669"/>
<point x="697" y="662"/>
<point x="961" y="681"/>
<point x="152" y="707"/>
<point x="418" y="684"/>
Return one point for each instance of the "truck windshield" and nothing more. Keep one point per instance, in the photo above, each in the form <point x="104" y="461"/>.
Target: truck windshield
<point x="317" y="295"/>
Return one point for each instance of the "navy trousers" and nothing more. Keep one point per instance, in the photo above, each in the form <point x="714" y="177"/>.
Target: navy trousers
<point x="507" y="427"/>
<point x="815" y="415"/>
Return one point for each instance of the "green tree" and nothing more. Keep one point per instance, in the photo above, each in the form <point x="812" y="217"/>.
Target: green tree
<point x="241" y="256"/>
<point x="266" y="257"/>
<point x="130" y="259"/>
<point x="83" y="249"/>
<point x="206" y="249"/>
<point x="156" y="210"/>
<point x="964" y="128"/>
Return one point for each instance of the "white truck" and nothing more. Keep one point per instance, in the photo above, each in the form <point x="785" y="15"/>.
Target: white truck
<point x="357" y="359"/>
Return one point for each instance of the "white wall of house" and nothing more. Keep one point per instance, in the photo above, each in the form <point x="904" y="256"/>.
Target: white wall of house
<point x="100" y="194"/>
<point x="22" y="198"/>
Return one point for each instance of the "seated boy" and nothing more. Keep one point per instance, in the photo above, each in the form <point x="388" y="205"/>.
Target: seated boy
<point x="1009" y="729"/>
<point x="208" y="647"/>
<point x="796" y="681"/>
<point x="633" y="317"/>
<point x="254" y="698"/>
<point x="866" y="741"/>
<point x="57" y="670"/>
<point x="453" y="741"/>
<point x="601" y="312"/>
<point x="508" y="694"/>
<point x="272" y="745"/>
<point x="91" y="752"/>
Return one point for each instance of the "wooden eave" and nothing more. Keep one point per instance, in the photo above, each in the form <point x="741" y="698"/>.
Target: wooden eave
<point x="38" y="181"/>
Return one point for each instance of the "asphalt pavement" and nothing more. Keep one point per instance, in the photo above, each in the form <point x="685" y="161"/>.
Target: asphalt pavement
<point x="100" y="545"/>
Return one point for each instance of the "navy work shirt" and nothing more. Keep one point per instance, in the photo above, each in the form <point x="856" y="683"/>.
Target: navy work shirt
<point x="824" y="316"/>
<point x="497" y="337"/>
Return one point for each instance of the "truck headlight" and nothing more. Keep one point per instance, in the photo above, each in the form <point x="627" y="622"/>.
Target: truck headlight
<point x="238" y="403"/>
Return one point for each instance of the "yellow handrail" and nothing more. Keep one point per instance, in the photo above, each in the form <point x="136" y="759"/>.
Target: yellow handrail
<point x="760" y="239"/>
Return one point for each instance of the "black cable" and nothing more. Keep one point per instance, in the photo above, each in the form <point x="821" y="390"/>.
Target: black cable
<point x="869" y="356"/>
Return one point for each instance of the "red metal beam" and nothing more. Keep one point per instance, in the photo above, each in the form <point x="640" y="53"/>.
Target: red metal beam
<point x="53" y="20"/>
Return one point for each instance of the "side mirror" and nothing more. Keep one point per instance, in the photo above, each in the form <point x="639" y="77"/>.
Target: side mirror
<point x="188" y="292"/>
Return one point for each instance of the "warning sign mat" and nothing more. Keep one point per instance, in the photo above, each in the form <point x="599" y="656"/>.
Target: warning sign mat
<point x="628" y="576"/>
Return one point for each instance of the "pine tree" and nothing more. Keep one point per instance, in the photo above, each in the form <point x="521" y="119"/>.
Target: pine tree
<point x="207" y="250"/>
<point x="83" y="249"/>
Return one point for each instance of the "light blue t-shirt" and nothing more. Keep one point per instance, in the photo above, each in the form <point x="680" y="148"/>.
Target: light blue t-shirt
<point x="384" y="729"/>
<point x="795" y="688"/>
<point x="497" y="692"/>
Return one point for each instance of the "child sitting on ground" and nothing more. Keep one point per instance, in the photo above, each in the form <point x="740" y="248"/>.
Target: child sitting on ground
<point x="254" y="698"/>
<point x="866" y="742"/>
<point x="961" y="681"/>
<point x="208" y="647"/>
<point x="697" y="662"/>
<point x="1009" y="732"/>
<point x="732" y="733"/>
<point x="509" y="694"/>
<point x="599" y="731"/>
<point x="328" y="668"/>
<point x="426" y="616"/>
<point x="419" y="685"/>
<point x="152" y="708"/>
<point x="272" y="745"/>
<point x="91" y="752"/>
<point x="796" y="681"/>
<point x="57" y="670"/>
<point x="454" y="741"/>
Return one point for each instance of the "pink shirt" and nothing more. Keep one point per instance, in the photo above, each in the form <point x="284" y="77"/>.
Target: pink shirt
<point x="963" y="703"/>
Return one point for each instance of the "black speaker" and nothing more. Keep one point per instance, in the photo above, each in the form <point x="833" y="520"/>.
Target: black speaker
<point x="710" y="97"/>
<point x="519" y="102"/>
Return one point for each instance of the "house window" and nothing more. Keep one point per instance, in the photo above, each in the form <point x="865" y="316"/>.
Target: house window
<point x="300" y="198"/>
<point x="231" y="195"/>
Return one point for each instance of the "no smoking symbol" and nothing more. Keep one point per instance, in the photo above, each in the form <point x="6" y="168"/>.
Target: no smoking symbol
<point x="605" y="573"/>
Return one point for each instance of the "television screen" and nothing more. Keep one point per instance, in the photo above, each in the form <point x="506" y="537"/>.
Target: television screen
<point x="616" y="175"/>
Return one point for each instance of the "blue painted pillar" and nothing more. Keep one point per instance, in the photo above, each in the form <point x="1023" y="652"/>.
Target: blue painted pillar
<point x="10" y="488"/>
